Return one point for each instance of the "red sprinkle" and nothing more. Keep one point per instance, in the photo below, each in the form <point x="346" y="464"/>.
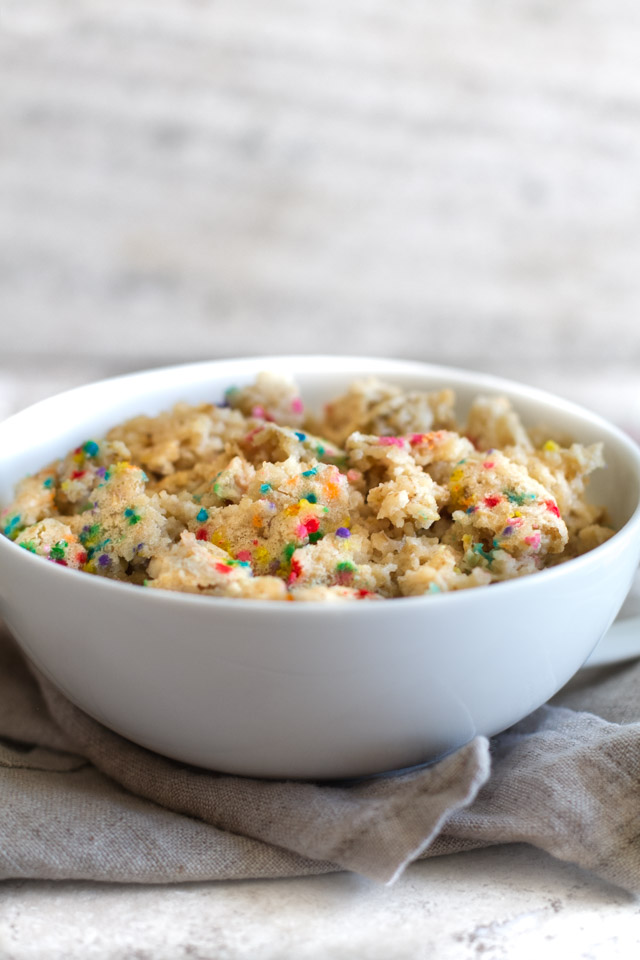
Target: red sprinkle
<point x="223" y="568"/>
<point x="81" y="557"/>
<point x="312" y="524"/>
<point x="202" y="534"/>
<point x="296" y="571"/>
<point x="77" y="474"/>
<point x="552" y="507"/>
<point x="492" y="501"/>
<point x="63" y="563"/>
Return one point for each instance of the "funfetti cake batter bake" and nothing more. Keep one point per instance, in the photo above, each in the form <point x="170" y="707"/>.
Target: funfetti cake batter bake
<point x="383" y="496"/>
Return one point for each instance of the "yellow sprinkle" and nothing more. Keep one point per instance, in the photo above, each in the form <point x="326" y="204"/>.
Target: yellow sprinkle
<point x="121" y="467"/>
<point x="551" y="446"/>
<point x="261" y="554"/>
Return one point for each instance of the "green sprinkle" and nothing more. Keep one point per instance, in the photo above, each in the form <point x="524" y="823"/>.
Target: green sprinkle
<point x="320" y="450"/>
<point x="28" y="545"/>
<point x="346" y="566"/>
<point x="132" y="516"/>
<point x="314" y="537"/>
<point x="289" y="550"/>
<point x="57" y="552"/>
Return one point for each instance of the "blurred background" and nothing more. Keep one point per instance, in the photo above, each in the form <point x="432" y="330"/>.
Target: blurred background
<point x="453" y="181"/>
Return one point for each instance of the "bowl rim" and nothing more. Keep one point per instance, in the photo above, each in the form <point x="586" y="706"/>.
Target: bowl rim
<point x="621" y="539"/>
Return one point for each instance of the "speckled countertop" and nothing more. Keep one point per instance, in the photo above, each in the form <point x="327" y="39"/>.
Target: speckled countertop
<point x="506" y="902"/>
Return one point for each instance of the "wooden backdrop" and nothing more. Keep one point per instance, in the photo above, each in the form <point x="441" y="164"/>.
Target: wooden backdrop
<point x="454" y="180"/>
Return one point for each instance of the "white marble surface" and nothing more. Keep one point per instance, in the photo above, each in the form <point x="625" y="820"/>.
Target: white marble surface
<point x="457" y="182"/>
<point x="510" y="902"/>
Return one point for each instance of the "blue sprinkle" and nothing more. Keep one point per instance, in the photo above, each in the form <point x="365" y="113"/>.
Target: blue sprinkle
<point x="265" y="487"/>
<point x="434" y="588"/>
<point x="202" y="515"/>
<point x="48" y="482"/>
<point x="300" y="436"/>
<point x="310" y="473"/>
<point x="343" y="532"/>
<point x="91" y="448"/>
<point x="13" y="523"/>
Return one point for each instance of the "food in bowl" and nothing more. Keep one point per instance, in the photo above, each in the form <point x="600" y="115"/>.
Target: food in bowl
<point x="311" y="690"/>
<point x="384" y="495"/>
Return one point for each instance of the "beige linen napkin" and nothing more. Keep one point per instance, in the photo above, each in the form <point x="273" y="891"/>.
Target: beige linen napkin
<point x="80" y="802"/>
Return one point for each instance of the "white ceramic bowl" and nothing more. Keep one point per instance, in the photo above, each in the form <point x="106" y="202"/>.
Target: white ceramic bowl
<point x="306" y="690"/>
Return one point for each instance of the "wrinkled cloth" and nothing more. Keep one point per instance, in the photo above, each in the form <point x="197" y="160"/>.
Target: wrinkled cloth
<point x="78" y="801"/>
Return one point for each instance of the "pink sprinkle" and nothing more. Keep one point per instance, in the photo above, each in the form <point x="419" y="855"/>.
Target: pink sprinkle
<point x="353" y="476"/>
<point x="391" y="442"/>
<point x="244" y="555"/>
<point x="301" y="531"/>
<point x="261" y="414"/>
<point x="533" y="540"/>
<point x="297" y="405"/>
<point x="417" y="438"/>
<point x="488" y="464"/>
